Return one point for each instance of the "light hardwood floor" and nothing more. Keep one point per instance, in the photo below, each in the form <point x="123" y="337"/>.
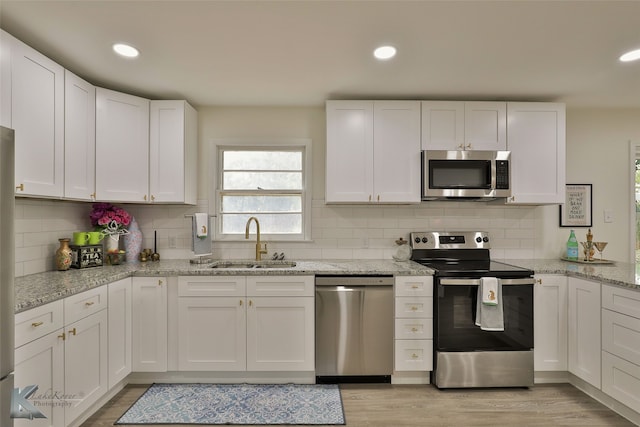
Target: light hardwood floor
<point x="385" y="405"/>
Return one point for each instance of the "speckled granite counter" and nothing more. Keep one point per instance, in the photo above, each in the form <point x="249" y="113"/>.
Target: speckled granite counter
<point x="39" y="289"/>
<point x="620" y="273"/>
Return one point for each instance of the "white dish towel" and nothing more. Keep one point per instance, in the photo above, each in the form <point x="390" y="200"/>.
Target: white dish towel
<point x="201" y="245"/>
<point x="489" y="311"/>
<point x="202" y="225"/>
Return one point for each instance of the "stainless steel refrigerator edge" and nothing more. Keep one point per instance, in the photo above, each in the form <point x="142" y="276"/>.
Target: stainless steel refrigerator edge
<point x="7" y="272"/>
<point x="354" y="326"/>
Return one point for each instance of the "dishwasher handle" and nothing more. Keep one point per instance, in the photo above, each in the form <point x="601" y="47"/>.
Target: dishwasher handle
<point x="355" y="281"/>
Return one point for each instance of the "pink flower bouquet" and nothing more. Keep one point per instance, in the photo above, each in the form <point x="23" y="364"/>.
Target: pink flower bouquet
<point x="109" y="219"/>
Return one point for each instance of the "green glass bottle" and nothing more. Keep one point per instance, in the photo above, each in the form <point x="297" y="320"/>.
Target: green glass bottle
<point x="572" y="247"/>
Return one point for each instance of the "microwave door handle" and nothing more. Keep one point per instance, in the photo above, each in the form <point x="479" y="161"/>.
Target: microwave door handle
<point x="476" y="282"/>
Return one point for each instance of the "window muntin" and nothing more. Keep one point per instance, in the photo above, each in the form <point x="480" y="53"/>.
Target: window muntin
<point x="265" y="182"/>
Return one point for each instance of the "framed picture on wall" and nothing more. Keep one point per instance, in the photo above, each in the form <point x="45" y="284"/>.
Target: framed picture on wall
<point x="577" y="208"/>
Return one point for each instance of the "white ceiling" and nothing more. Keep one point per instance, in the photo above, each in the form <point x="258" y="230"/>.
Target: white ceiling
<point x="291" y="53"/>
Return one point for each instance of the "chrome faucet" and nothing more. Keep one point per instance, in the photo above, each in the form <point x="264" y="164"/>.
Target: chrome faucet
<point x="259" y="250"/>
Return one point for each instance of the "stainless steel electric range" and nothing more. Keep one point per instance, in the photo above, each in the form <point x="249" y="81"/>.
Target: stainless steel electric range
<point x="466" y="355"/>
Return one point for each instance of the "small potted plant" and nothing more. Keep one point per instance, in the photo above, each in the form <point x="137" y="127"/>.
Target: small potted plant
<point x="111" y="221"/>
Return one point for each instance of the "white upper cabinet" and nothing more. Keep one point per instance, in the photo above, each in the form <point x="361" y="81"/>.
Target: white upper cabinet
<point x="373" y="152"/>
<point x="173" y="152"/>
<point x="536" y="139"/>
<point x="79" y="138"/>
<point x="35" y="88"/>
<point x="458" y="125"/>
<point x="5" y="78"/>
<point x="122" y="147"/>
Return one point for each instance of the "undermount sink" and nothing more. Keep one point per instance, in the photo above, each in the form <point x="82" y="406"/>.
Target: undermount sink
<point x="253" y="264"/>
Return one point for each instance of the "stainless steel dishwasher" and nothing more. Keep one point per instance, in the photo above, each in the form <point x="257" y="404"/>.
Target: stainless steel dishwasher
<point x="354" y="328"/>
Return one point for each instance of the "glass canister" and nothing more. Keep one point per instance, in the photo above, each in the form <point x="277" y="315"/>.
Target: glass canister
<point x="403" y="252"/>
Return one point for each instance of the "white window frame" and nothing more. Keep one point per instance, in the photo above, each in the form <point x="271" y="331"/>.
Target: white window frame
<point x="262" y="144"/>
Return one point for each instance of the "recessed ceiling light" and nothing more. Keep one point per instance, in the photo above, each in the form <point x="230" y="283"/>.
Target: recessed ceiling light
<point x="632" y="55"/>
<point x="385" y="52"/>
<point x="125" y="50"/>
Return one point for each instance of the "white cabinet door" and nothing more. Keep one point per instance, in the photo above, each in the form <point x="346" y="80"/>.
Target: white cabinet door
<point x="173" y="152"/>
<point x="349" y="165"/>
<point x="460" y="125"/>
<point x="536" y="139"/>
<point x="485" y="125"/>
<point x="6" y="40"/>
<point x="373" y="151"/>
<point x="396" y="151"/>
<point x="79" y="138"/>
<point x="280" y="334"/>
<point x="584" y="330"/>
<point x="37" y="115"/>
<point x="149" y="348"/>
<point x="442" y="125"/>
<point x="40" y="363"/>
<point x="122" y="147"/>
<point x="211" y="334"/>
<point x="85" y="363"/>
<point x="120" y="329"/>
<point x="550" y="323"/>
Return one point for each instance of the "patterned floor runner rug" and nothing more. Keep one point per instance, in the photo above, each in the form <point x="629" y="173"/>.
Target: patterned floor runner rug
<point x="250" y="404"/>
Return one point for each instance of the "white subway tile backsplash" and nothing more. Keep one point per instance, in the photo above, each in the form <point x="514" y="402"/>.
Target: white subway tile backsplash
<point x="338" y="232"/>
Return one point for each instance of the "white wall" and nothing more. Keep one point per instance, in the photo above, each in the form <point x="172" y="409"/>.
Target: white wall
<point x="597" y="153"/>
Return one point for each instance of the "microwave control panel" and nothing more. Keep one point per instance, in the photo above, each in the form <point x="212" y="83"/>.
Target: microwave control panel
<point x="502" y="174"/>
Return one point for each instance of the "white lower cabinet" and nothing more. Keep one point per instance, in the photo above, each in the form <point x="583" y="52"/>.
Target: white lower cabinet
<point x="40" y="363"/>
<point x="149" y="324"/>
<point x="413" y="343"/>
<point x="222" y="326"/>
<point x="68" y="365"/>
<point x="550" y="329"/>
<point x="120" y="329"/>
<point x="85" y="363"/>
<point x="584" y="330"/>
<point x="621" y="345"/>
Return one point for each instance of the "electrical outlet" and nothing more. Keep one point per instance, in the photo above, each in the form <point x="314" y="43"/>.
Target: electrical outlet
<point x="608" y="215"/>
<point x="173" y="242"/>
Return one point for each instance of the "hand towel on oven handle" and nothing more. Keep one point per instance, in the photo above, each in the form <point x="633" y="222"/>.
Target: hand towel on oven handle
<point x="489" y="287"/>
<point x="490" y="316"/>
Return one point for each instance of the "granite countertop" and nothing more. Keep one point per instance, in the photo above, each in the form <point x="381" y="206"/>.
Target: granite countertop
<point x="39" y="289"/>
<point x="620" y="273"/>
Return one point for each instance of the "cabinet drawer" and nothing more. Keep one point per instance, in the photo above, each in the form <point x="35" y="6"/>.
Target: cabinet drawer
<point x="414" y="307"/>
<point x="280" y="286"/>
<point x="192" y="286"/>
<point x="413" y="355"/>
<point x="38" y="322"/>
<point x="622" y="300"/>
<point x="414" y="329"/>
<point x="418" y="286"/>
<point x="85" y="303"/>
<point x="621" y="380"/>
<point x="621" y="335"/>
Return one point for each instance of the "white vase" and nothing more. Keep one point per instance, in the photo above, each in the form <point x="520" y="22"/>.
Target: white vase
<point x="112" y="243"/>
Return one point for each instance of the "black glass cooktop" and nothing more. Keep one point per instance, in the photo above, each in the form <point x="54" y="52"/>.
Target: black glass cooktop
<point x="467" y="263"/>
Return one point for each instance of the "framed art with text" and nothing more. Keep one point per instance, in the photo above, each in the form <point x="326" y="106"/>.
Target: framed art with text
<point x="577" y="208"/>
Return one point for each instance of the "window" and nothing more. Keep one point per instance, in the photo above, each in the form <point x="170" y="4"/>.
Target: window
<point x="268" y="181"/>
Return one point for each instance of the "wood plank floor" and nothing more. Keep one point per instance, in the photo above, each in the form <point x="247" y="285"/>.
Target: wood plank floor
<point x="385" y="405"/>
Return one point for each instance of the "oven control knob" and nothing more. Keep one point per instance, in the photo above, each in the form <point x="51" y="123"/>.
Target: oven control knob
<point x="425" y="240"/>
<point x="478" y="239"/>
<point x="417" y="239"/>
<point x="485" y="239"/>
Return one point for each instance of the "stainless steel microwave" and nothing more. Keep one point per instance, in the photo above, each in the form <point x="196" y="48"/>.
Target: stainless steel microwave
<point x="465" y="174"/>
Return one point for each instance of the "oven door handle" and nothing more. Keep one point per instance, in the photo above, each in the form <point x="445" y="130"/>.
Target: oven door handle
<point x="467" y="282"/>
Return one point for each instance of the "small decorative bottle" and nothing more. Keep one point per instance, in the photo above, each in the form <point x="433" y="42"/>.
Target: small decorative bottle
<point x="403" y="253"/>
<point x="572" y="247"/>
<point x="63" y="255"/>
